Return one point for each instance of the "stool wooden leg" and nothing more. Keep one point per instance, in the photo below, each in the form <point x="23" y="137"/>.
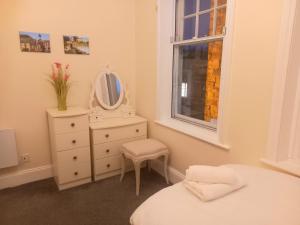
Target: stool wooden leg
<point x="122" y="167"/>
<point x="166" y="168"/>
<point x="149" y="165"/>
<point x="137" y="167"/>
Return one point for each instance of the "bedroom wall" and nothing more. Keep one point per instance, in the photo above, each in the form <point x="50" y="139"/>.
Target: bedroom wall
<point x="24" y="91"/>
<point x="255" y="42"/>
<point x="123" y="34"/>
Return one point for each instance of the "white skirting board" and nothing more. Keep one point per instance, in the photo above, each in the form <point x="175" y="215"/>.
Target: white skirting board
<point x="25" y="176"/>
<point x="44" y="172"/>
<point x="174" y="175"/>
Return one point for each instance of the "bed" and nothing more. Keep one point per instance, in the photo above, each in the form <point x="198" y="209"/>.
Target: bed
<point x="270" y="198"/>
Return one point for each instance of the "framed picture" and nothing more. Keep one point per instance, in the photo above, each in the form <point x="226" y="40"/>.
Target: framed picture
<point x="34" y="42"/>
<point x="76" y="45"/>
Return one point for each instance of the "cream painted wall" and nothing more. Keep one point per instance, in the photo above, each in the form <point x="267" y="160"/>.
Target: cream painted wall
<point x="255" y="42"/>
<point x="24" y="91"/>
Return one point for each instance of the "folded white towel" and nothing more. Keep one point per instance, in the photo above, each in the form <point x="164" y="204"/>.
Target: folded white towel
<point x="208" y="192"/>
<point x="211" y="174"/>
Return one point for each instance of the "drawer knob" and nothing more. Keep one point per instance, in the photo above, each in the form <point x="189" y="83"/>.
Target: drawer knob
<point x="72" y="124"/>
<point x="107" y="150"/>
<point x="74" y="157"/>
<point x="107" y="135"/>
<point x="76" y="173"/>
<point x="137" y="130"/>
<point x="74" y="141"/>
<point x="108" y="165"/>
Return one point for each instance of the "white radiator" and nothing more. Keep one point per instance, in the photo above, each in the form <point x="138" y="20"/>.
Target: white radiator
<point x="8" y="149"/>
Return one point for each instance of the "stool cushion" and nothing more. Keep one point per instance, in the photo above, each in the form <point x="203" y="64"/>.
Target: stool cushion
<point x="143" y="147"/>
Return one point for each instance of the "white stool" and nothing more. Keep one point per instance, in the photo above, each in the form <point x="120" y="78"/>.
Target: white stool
<point x="141" y="150"/>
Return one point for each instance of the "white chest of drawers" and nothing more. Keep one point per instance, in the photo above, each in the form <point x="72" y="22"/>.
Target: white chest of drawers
<point x="70" y="146"/>
<point x="107" y="136"/>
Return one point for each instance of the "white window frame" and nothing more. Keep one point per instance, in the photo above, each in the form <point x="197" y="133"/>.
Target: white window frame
<point x="165" y="38"/>
<point x="194" y="40"/>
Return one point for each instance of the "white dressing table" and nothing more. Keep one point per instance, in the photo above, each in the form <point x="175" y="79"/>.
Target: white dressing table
<point x="112" y="123"/>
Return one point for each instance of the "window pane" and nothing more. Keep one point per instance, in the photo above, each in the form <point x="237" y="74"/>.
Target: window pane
<point x="205" y="27"/>
<point x="198" y="69"/>
<point x="222" y="2"/>
<point x="189" y="28"/>
<point x="183" y="89"/>
<point x="221" y="17"/>
<point x="189" y="7"/>
<point x="206" y="4"/>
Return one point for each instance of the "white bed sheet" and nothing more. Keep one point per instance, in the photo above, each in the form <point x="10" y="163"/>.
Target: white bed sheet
<point x="270" y="198"/>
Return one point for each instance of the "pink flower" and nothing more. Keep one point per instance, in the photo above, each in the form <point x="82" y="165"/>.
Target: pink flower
<point x="58" y="65"/>
<point x="60" y="72"/>
<point x="66" y="77"/>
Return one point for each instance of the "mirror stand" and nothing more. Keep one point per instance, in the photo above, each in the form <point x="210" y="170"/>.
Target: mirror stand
<point x="98" y="113"/>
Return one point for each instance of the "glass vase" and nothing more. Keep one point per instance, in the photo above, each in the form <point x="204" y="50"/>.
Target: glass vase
<point x="62" y="102"/>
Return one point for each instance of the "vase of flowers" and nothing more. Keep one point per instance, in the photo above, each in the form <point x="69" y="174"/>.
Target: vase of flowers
<point x="60" y="81"/>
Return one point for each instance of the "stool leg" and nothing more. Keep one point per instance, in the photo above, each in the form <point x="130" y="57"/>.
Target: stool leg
<point x="166" y="168"/>
<point x="137" y="166"/>
<point x="122" y="167"/>
<point x="149" y="165"/>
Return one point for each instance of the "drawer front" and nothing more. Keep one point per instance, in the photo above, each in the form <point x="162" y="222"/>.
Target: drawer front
<point x="73" y="156"/>
<point x="111" y="148"/>
<point x="107" y="149"/>
<point x="72" y="140"/>
<point x="107" y="164"/>
<point x="118" y="133"/>
<point x="74" y="171"/>
<point x="137" y="130"/>
<point x="70" y="124"/>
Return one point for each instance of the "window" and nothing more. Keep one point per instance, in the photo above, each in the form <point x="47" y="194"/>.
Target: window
<point x="197" y="58"/>
<point x="192" y="51"/>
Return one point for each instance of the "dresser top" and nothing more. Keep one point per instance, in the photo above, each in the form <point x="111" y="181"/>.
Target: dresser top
<point x="71" y="111"/>
<point x="117" y="122"/>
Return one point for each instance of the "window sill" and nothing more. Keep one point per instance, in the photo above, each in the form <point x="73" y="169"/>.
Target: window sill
<point x="287" y="166"/>
<point x="200" y="133"/>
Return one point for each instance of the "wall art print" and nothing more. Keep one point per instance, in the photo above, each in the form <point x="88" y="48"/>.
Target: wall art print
<point x="34" y="42"/>
<point x="76" y="45"/>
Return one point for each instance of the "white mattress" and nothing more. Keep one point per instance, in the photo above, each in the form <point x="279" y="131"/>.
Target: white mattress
<point x="270" y="198"/>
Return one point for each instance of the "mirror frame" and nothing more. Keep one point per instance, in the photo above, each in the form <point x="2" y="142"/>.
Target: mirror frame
<point x="98" y="92"/>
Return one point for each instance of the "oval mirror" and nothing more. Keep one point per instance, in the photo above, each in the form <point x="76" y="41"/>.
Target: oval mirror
<point x="109" y="90"/>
